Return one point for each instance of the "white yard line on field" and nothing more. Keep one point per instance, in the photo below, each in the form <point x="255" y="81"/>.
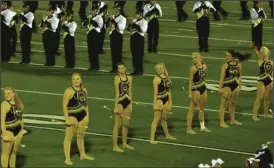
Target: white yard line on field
<point x="220" y="24"/>
<point x="146" y="140"/>
<point x="102" y="70"/>
<point x="107" y="99"/>
<point x="162" y="53"/>
<point x="186" y="29"/>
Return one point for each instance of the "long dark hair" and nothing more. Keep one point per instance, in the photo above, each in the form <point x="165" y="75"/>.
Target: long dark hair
<point x="239" y="56"/>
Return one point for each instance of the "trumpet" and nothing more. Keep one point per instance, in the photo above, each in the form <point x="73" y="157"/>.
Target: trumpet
<point x="42" y="23"/>
<point x="110" y="22"/>
<point x="130" y="23"/>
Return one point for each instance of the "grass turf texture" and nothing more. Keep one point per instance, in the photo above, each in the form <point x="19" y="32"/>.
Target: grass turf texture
<point x="44" y="147"/>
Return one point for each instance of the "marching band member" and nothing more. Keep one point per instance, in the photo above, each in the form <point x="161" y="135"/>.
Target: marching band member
<point x="139" y="5"/>
<point x="116" y="24"/>
<point x="26" y="18"/>
<point x="122" y="5"/>
<point x="182" y="16"/>
<point x="69" y="7"/>
<point x="50" y="24"/>
<point x="258" y="16"/>
<point x="11" y="127"/>
<point x="6" y="18"/>
<point x="102" y="12"/>
<point x="271" y="8"/>
<point x="265" y="82"/>
<point x="202" y="23"/>
<point x="245" y="12"/>
<point x="33" y="7"/>
<point x="69" y="27"/>
<point x="58" y="13"/>
<point x="152" y="11"/>
<point x="137" y="42"/>
<point x="82" y="13"/>
<point x="94" y="28"/>
<point x="217" y="6"/>
<point x="13" y="31"/>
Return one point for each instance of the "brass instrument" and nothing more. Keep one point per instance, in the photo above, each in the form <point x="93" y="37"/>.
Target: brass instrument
<point x="129" y="23"/>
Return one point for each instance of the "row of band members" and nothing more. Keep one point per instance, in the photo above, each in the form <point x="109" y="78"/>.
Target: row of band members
<point x="145" y="20"/>
<point x="76" y="108"/>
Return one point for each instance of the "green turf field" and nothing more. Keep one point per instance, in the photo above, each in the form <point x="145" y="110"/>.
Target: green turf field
<point x="41" y="90"/>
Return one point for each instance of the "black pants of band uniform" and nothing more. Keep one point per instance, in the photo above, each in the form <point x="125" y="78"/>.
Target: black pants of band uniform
<point x="82" y="10"/>
<point x="217" y="6"/>
<point x="245" y="11"/>
<point x="69" y="48"/>
<point x="13" y="36"/>
<point x="93" y="49"/>
<point x="202" y="27"/>
<point x="49" y="43"/>
<point x="5" y="43"/>
<point x="271" y="7"/>
<point x="257" y="35"/>
<point x="181" y="14"/>
<point x="69" y="7"/>
<point x="137" y="47"/>
<point x="102" y="35"/>
<point x="57" y="36"/>
<point x="153" y="34"/>
<point x="25" y="41"/>
<point x="116" y="45"/>
<point x="139" y="5"/>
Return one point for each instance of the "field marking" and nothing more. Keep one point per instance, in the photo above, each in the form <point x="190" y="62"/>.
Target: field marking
<point x="245" y="23"/>
<point x="212" y="23"/>
<point x="210" y="38"/>
<point x="217" y="26"/>
<point x="101" y="70"/>
<point x="162" y="53"/>
<point x="160" y="142"/>
<point x="135" y="102"/>
<point x="186" y="29"/>
<point x="171" y="32"/>
<point x="189" y="56"/>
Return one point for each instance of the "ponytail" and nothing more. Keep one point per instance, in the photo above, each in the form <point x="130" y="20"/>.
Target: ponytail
<point x="82" y="87"/>
<point x="17" y="101"/>
<point x="239" y="56"/>
<point x="167" y="75"/>
<point x="166" y="72"/>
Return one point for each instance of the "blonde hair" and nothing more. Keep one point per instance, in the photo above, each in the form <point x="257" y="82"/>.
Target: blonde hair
<point x="81" y="85"/>
<point x="264" y="51"/>
<point x="197" y="54"/>
<point x="164" y="67"/>
<point x="17" y="101"/>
